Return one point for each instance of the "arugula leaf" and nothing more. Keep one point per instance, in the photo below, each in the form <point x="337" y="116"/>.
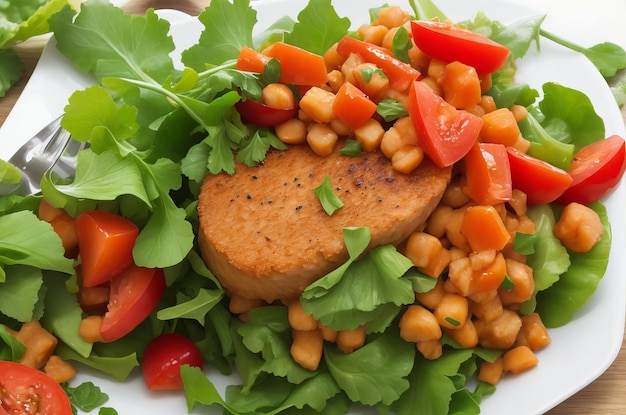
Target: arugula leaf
<point x="318" y="27"/>
<point x="227" y="28"/>
<point x="24" y="239"/>
<point x="86" y="396"/>
<point x="371" y="375"/>
<point x="23" y="282"/>
<point x="118" y="367"/>
<point x="10" y="347"/>
<point x="141" y="44"/>
<point x="328" y="199"/>
<point x="550" y="258"/>
<point x="426" y="10"/>
<point x="432" y="385"/>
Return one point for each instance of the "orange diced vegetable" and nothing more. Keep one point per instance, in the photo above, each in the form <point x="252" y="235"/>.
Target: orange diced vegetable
<point x="461" y="85"/>
<point x="519" y="359"/>
<point x="501" y="332"/>
<point x="250" y="60"/>
<point x="39" y="342"/>
<point x="484" y="229"/>
<point x="500" y="126"/>
<point x="418" y="324"/>
<point x="317" y="103"/>
<point x="352" y="106"/>
<point x="534" y="333"/>
<point x="307" y="348"/>
<point x="58" y="369"/>
<point x="452" y="312"/>
<point x="491" y="372"/>
<point x="521" y="276"/>
<point x="298" y="66"/>
<point x="350" y="340"/>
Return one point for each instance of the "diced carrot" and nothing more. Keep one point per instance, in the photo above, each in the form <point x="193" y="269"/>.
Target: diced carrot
<point x="65" y="226"/>
<point x="298" y="66"/>
<point x="39" y="342"/>
<point x="89" y="329"/>
<point x="47" y="212"/>
<point x="250" y="60"/>
<point x="484" y="229"/>
<point x="500" y="126"/>
<point x="518" y="360"/>
<point x="491" y="372"/>
<point x="461" y="85"/>
<point x="58" y="369"/>
<point x="352" y="106"/>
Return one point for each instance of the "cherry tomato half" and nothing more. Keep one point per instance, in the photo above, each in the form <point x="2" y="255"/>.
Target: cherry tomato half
<point x="447" y="42"/>
<point x="445" y="134"/>
<point x="542" y="182"/>
<point x="263" y="116"/>
<point x="24" y="390"/>
<point x="133" y="295"/>
<point x="163" y="358"/>
<point x="105" y="245"/>
<point x="596" y="169"/>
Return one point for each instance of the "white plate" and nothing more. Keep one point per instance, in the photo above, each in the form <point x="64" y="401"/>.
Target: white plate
<point x="579" y="352"/>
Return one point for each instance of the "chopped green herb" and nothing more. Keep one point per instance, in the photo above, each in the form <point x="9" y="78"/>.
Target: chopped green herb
<point x="86" y="396"/>
<point x="329" y="200"/>
<point x="368" y="71"/>
<point x="452" y="321"/>
<point x="352" y="148"/>
<point x="401" y="43"/>
<point x="524" y="243"/>
<point x="390" y="109"/>
<point x="507" y="284"/>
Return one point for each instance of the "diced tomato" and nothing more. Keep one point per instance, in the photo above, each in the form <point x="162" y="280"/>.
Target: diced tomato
<point x="24" y="390"/>
<point x="105" y="243"/>
<point x="47" y="212"/>
<point x="250" y="60"/>
<point x="94" y="300"/>
<point x="445" y="134"/>
<point x="448" y="43"/>
<point x="542" y="182"/>
<point x="352" y="106"/>
<point x="298" y="66"/>
<point x="596" y="169"/>
<point x="488" y="174"/>
<point x="400" y="74"/>
<point x="263" y="116"/>
<point x="163" y="358"/>
<point x="134" y="294"/>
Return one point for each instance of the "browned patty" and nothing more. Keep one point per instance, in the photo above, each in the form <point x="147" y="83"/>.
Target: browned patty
<point x="265" y="235"/>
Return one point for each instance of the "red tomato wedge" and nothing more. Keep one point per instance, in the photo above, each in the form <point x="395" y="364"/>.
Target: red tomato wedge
<point x="24" y="390"/>
<point x="163" y="358"/>
<point x="105" y="244"/>
<point x="263" y="116"/>
<point x="445" y="134"/>
<point x="134" y="294"/>
<point x="488" y="174"/>
<point x="596" y="169"/>
<point x="400" y="74"/>
<point x="250" y="60"/>
<point x="298" y="66"/>
<point x="542" y="182"/>
<point x="352" y="106"/>
<point x="447" y="42"/>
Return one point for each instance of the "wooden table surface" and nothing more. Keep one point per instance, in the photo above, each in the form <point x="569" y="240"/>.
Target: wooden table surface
<point x="605" y="396"/>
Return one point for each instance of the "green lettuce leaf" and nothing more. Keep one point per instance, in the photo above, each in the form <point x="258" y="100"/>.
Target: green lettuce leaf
<point x="557" y="304"/>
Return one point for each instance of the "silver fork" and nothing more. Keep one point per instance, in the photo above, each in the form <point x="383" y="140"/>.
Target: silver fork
<point x="51" y="149"/>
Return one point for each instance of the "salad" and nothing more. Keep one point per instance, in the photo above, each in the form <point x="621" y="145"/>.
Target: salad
<point x="199" y="293"/>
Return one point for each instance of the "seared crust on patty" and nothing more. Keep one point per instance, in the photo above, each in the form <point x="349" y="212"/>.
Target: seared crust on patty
<point x="265" y="235"/>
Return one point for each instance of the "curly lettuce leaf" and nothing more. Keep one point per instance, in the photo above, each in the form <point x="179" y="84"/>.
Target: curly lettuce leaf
<point x="557" y="304"/>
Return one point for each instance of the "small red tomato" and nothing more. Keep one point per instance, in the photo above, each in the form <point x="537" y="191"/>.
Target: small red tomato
<point x="596" y="169"/>
<point x="263" y="116"/>
<point x="163" y="358"/>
